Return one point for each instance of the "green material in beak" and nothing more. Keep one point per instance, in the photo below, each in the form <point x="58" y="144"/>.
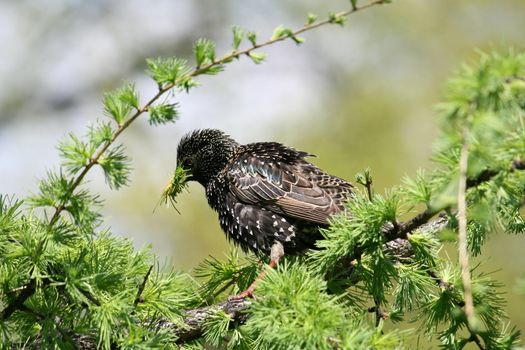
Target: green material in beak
<point x="177" y="183"/>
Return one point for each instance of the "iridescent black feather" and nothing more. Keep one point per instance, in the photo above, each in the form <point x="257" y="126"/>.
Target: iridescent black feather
<point x="263" y="192"/>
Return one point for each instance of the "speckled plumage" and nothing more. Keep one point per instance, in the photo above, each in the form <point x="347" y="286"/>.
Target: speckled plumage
<point x="263" y="192"/>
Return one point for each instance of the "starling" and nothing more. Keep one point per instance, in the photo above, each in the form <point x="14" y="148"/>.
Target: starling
<point x="269" y="199"/>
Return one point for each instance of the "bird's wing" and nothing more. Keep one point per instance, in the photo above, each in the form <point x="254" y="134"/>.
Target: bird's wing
<point x="295" y="188"/>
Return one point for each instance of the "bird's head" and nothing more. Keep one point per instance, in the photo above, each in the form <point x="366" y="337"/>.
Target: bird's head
<point x="204" y="153"/>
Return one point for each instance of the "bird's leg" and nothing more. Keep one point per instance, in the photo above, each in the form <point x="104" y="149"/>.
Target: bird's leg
<point x="276" y="253"/>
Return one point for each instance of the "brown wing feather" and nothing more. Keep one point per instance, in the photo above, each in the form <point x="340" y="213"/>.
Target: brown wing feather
<point x="295" y="188"/>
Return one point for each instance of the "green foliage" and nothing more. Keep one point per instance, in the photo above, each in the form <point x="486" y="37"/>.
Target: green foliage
<point x="227" y="277"/>
<point x="216" y="328"/>
<point x="168" y="70"/>
<point x="441" y="306"/>
<point x="85" y="282"/>
<point x="425" y="248"/>
<point x="362" y="229"/>
<point x="119" y="103"/>
<point x="75" y="153"/>
<point x="418" y="190"/>
<point x="337" y="18"/>
<point x="252" y="37"/>
<point x="54" y="190"/>
<point x="204" y="50"/>
<point x="413" y="287"/>
<point x="281" y="32"/>
<point x="487" y="99"/>
<point x="116" y="166"/>
<point x="445" y="309"/>
<point x="238" y="35"/>
<point x="257" y="57"/>
<point x="295" y="312"/>
<point x="312" y="17"/>
<point x="163" y="113"/>
<point x="98" y="134"/>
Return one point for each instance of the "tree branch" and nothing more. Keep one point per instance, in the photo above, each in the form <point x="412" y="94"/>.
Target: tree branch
<point x="195" y="319"/>
<point x="403" y="229"/>
<point x="18" y="302"/>
<point x="474" y="338"/>
<point x="139" y="298"/>
<point x="441" y="284"/>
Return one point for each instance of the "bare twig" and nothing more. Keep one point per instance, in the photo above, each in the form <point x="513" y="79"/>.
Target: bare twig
<point x="368" y="185"/>
<point x="364" y="178"/>
<point x="379" y="313"/>
<point x="89" y="297"/>
<point x="475" y="339"/>
<point x="462" y="230"/>
<point x="367" y="182"/>
<point x="441" y="284"/>
<point x="138" y="298"/>
<point x="18" y="302"/>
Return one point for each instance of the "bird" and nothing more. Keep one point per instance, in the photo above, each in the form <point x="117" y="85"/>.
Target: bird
<point x="269" y="199"/>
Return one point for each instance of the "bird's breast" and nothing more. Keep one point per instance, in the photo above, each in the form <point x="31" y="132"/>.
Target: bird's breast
<point x="256" y="228"/>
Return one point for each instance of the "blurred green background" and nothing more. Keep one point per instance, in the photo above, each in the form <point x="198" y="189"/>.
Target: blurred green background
<point x="359" y="96"/>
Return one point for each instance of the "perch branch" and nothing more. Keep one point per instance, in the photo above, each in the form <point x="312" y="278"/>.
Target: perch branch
<point x="195" y="319"/>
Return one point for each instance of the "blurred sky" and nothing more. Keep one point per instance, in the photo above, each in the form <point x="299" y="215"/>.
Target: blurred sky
<point x="359" y="96"/>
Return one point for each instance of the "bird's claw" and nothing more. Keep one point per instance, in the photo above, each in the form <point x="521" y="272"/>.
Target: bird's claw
<point x="248" y="293"/>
